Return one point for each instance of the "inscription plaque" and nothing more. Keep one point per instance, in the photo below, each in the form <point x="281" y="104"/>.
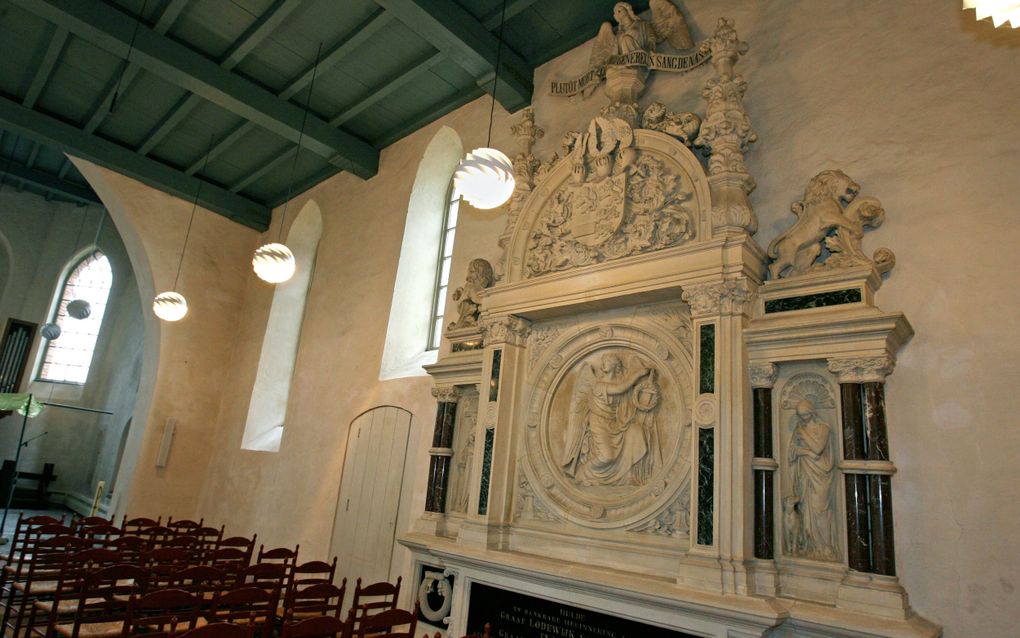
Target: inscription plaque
<point x="514" y="615"/>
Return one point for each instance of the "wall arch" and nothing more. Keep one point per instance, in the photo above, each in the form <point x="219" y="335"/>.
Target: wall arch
<point x="406" y="349"/>
<point x="267" y="409"/>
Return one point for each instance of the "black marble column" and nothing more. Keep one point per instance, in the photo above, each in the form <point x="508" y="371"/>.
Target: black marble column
<point x="439" y="465"/>
<point x="764" y="493"/>
<point x="870" y="544"/>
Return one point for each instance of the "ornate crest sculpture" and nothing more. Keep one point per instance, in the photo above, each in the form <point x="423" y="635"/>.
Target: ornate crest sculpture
<point x="830" y="215"/>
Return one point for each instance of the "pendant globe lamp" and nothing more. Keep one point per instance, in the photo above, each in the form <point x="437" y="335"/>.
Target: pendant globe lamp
<point x="171" y="305"/>
<point x="274" y="262"/>
<point x="485" y="177"/>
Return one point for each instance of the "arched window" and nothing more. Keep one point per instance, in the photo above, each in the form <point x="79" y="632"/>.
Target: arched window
<point x="267" y="409"/>
<point x="67" y="359"/>
<point x="447" y="232"/>
<point x="419" y="291"/>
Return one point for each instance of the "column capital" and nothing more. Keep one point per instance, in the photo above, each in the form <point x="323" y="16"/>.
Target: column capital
<point x="763" y="374"/>
<point x="446" y="393"/>
<point x="510" y="329"/>
<point x="862" y="369"/>
<point x="727" y="297"/>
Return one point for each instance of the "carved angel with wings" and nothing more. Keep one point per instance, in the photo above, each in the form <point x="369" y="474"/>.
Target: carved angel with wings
<point x="611" y="437"/>
<point x="634" y="34"/>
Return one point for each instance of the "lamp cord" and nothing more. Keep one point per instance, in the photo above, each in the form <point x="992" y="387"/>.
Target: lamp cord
<point x="301" y="135"/>
<point x="127" y="60"/>
<point x="194" y="207"/>
<point x="495" y="79"/>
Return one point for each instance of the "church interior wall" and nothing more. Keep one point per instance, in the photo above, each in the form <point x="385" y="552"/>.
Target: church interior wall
<point x="911" y="99"/>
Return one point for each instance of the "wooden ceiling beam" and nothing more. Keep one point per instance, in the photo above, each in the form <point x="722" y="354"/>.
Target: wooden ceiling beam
<point x="513" y="7"/>
<point x="53" y="132"/>
<point x="466" y="42"/>
<point x="251" y="38"/>
<point x="123" y="79"/>
<point x="385" y="88"/>
<point x="50" y="183"/>
<point x="360" y="35"/>
<point x="45" y="68"/>
<point x="112" y="30"/>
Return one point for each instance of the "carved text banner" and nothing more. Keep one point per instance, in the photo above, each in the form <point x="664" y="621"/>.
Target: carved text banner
<point x="653" y="61"/>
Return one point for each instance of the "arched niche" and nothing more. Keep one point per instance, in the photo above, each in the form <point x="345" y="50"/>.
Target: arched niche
<point x="406" y="349"/>
<point x="267" y="409"/>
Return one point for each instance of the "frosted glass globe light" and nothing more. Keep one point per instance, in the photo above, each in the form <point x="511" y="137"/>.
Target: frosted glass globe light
<point x="485" y="178"/>
<point x="79" y="309"/>
<point x="170" y="306"/>
<point x="1000" y="11"/>
<point x="273" y="263"/>
<point x="50" y="331"/>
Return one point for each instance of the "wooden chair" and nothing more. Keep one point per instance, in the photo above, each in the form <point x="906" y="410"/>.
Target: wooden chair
<point x="184" y="526"/>
<point x="136" y="525"/>
<point x="246" y="547"/>
<point x="320" y="599"/>
<point x="132" y="549"/>
<point x="39" y="579"/>
<point x="383" y="624"/>
<point x="253" y="606"/>
<point x="164" y="562"/>
<point x="208" y="539"/>
<point x="265" y="575"/>
<point x="318" y="627"/>
<point x="21" y="528"/>
<point x="75" y="569"/>
<point x="100" y="535"/>
<point x="85" y="522"/>
<point x="220" y="630"/>
<point x="279" y="556"/>
<point x="157" y="536"/>
<point x="161" y="613"/>
<point x="373" y="599"/>
<point x="202" y="580"/>
<point x="102" y="604"/>
<point x="311" y="573"/>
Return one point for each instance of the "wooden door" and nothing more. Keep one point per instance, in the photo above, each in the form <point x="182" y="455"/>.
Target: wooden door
<point x="364" y="530"/>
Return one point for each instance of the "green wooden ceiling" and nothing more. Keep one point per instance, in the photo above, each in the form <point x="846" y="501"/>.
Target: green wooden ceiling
<point x="208" y="96"/>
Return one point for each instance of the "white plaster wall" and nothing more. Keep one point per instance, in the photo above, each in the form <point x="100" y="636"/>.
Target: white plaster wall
<point x="44" y="237"/>
<point x="912" y="98"/>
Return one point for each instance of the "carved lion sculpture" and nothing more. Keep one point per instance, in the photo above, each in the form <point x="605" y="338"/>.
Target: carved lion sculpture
<point x="819" y="213"/>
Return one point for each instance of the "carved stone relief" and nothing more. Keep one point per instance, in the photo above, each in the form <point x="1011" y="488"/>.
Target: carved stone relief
<point x="510" y="330"/>
<point x="608" y="425"/>
<point x="808" y="431"/>
<point x="830" y="215"/>
<point x="464" y="448"/>
<point x="619" y="201"/>
<point x="479" y="277"/>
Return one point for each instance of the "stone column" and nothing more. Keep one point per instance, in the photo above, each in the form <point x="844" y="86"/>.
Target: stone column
<point x="726" y="133"/>
<point x="441" y="450"/>
<point x="866" y="466"/>
<point x="505" y="339"/>
<point x="763" y="377"/>
<point x="722" y="436"/>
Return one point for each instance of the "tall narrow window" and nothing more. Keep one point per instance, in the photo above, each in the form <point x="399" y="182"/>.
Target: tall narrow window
<point x="67" y="359"/>
<point x="449" y="229"/>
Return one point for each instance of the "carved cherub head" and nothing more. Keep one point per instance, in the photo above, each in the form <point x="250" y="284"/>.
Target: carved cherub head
<point x="624" y="14"/>
<point x="654" y="114"/>
<point x="612" y="366"/>
<point x="805" y="410"/>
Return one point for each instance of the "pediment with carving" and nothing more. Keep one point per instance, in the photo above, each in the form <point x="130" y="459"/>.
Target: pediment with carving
<point x="607" y="442"/>
<point x="618" y="192"/>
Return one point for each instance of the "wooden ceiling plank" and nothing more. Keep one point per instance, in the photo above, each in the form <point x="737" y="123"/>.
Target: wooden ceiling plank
<point x="50" y="183"/>
<point x="428" y="115"/>
<point x="251" y="38"/>
<point x="71" y="139"/>
<point x="387" y="87"/>
<point x="360" y="35"/>
<point x="45" y="68"/>
<point x="170" y="13"/>
<point x="112" y="30"/>
<point x="466" y="42"/>
<point x="264" y="170"/>
<point x="33" y="155"/>
<point x="514" y="7"/>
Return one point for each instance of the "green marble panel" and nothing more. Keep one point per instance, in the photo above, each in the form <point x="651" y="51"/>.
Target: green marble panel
<point x="706" y="485"/>
<point x="817" y="300"/>
<point x="483" y="493"/>
<point x="706" y="380"/>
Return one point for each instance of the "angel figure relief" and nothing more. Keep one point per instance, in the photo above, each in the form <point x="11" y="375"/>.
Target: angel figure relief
<point x="611" y="437"/>
<point x="635" y="34"/>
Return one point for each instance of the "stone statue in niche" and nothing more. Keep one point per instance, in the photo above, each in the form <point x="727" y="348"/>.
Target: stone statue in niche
<point x="830" y="215"/>
<point x="683" y="126"/>
<point x="809" y="513"/>
<point x="611" y="437"/>
<point x="479" y="277"/>
<point x="460" y="481"/>
<point x="633" y="34"/>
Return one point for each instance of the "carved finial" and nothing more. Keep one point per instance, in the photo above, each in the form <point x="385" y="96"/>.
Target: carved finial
<point x="468" y="296"/>
<point x="726" y="47"/>
<point x="831" y="215"/>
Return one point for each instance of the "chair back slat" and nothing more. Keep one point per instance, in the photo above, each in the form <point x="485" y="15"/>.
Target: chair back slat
<point x="320" y="599"/>
<point x="384" y="624"/>
<point x="161" y="613"/>
<point x="255" y="606"/>
<point x="375" y="598"/>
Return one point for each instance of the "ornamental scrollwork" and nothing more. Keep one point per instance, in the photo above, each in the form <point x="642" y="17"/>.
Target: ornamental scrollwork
<point x="763" y="375"/>
<point x="727" y="297"/>
<point x="511" y="330"/>
<point x="862" y="369"/>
